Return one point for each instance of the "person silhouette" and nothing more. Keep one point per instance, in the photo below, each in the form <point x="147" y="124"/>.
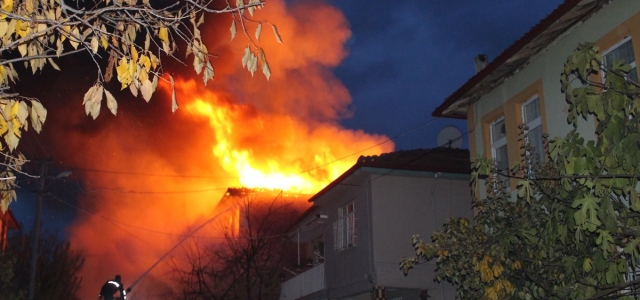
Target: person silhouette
<point x="110" y="287"/>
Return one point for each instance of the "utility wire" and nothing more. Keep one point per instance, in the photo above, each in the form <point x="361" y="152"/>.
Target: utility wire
<point x="93" y="170"/>
<point x="147" y="174"/>
<point x="371" y="147"/>
<point x="115" y="222"/>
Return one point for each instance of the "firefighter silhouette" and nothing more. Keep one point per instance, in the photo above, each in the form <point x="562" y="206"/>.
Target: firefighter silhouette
<point x="110" y="287"/>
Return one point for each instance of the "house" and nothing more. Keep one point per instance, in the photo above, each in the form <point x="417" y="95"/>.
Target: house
<point x="237" y="205"/>
<point x="7" y="222"/>
<point x="522" y="85"/>
<point x="360" y="226"/>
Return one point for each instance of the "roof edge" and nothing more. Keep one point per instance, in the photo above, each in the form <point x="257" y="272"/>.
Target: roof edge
<point x="542" y="25"/>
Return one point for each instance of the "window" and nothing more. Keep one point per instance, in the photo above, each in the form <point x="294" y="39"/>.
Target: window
<point x="344" y="228"/>
<point x="622" y="51"/>
<point x="531" y="118"/>
<point x="499" y="147"/>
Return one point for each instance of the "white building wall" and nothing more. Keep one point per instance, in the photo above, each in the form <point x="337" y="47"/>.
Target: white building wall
<point x="404" y="206"/>
<point x="547" y="67"/>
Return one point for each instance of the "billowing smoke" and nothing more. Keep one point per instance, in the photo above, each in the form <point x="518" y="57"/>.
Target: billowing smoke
<point x="170" y="170"/>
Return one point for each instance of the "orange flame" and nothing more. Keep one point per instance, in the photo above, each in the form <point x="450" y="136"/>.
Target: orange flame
<point x="283" y="134"/>
<point x="276" y="151"/>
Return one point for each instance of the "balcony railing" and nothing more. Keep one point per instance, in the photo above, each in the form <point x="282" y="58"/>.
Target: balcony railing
<point x="303" y="284"/>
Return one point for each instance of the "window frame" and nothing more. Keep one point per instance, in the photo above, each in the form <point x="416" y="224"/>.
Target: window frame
<point x="536" y="123"/>
<point x="615" y="46"/>
<point x="495" y="145"/>
<point x="345" y="227"/>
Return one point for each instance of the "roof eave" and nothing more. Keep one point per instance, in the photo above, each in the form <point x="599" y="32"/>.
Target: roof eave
<point x="513" y="51"/>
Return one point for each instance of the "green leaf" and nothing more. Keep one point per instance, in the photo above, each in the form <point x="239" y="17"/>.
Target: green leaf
<point x="635" y="200"/>
<point x="587" y="216"/>
<point x="605" y="241"/>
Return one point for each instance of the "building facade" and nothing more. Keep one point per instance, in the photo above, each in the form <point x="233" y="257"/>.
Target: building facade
<point x="522" y="85"/>
<point x="360" y="226"/>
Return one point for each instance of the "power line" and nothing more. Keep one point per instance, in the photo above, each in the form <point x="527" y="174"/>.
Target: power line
<point x="149" y="174"/>
<point x="93" y="170"/>
<point x="371" y="147"/>
<point x="163" y="232"/>
<point x="132" y="192"/>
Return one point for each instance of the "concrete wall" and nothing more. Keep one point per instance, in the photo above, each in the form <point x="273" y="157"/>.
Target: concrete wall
<point x="348" y="272"/>
<point x="604" y="29"/>
<point x="403" y="206"/>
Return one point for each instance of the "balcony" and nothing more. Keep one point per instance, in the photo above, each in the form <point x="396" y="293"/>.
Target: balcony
<point x="303" y="284"/>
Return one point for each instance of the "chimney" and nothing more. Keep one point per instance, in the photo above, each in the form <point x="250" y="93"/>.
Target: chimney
<point x="480" y="61"/>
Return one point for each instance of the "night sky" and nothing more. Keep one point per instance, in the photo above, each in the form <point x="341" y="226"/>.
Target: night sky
<point x="407" y="56"/>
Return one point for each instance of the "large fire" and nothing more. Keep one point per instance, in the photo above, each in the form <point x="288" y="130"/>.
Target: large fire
<point x="237" y="132"/>
<point x="276" y="151"/>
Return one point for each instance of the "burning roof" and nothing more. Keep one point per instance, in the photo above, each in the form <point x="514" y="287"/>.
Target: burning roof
<point x="441" y="159"/>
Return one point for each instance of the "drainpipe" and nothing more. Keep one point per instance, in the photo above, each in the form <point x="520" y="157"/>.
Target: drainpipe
<point x="298" y="246"/>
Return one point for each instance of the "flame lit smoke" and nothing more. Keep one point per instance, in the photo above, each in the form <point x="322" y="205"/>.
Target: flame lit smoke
<point x="238" y="131"/>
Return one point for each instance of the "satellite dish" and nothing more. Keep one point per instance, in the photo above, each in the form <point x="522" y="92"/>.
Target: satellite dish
<point x="450" y="137"/>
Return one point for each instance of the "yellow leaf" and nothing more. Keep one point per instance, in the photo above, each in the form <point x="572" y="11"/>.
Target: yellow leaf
<point x="145" y="62"/>
<point x="59" y="47"/>
<point x="103" y="39"/>
<point x="111" y="102"/>
<point x="75" y="40"/>
<point x="123" y="72"/>
<point x="11" y="29"/>
<point x="134" y="53"/>
<point x="197" y="64"/>
<point x="22" y="28"/>
<point x="7" y="6"/>
<point x="233" y="29"/>
<point x="258" y="31"/>
<point x="154" y="83"/>
<point x="93" y="100"/>
<point x="497" y="270"/>
<point x="275" y="31"/>
<point x="147" y="90"/>
<point x="164" y="34"/>
<point x="142" y="75"/>
<point x="40" y="110"/>
<point x="64" y="31"/>
<point x="165" y="47"/>
<point x="4" y="127"/>
<point x="133" y="68"/>
<point x="22" y="48"/>
<point x="134" y="89"/>
<point x="104" y="43"/>
<point x="23" y="112"/>
<point x="29" y="6"/>
<point x="94" y="44"/>
<point x="240" y="5"/>
<point x="42" y="27"/>
<point x="10" y="137"/>
<point x="14" y="109"/>
<point x="38" y="115"/>
<point x="147" y="42"/>
<point x="174" y="102"/>
<point x="154" y="61"/>
<point x="3" y="28"/>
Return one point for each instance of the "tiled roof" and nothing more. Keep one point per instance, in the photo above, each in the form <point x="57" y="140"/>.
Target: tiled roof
<point x="435" y="160"/>
<point x="441" y="159"/>
<point x="518" y="55"/>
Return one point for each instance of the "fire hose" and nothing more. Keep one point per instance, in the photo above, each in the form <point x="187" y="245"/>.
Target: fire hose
<point x="133" y="285"/>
